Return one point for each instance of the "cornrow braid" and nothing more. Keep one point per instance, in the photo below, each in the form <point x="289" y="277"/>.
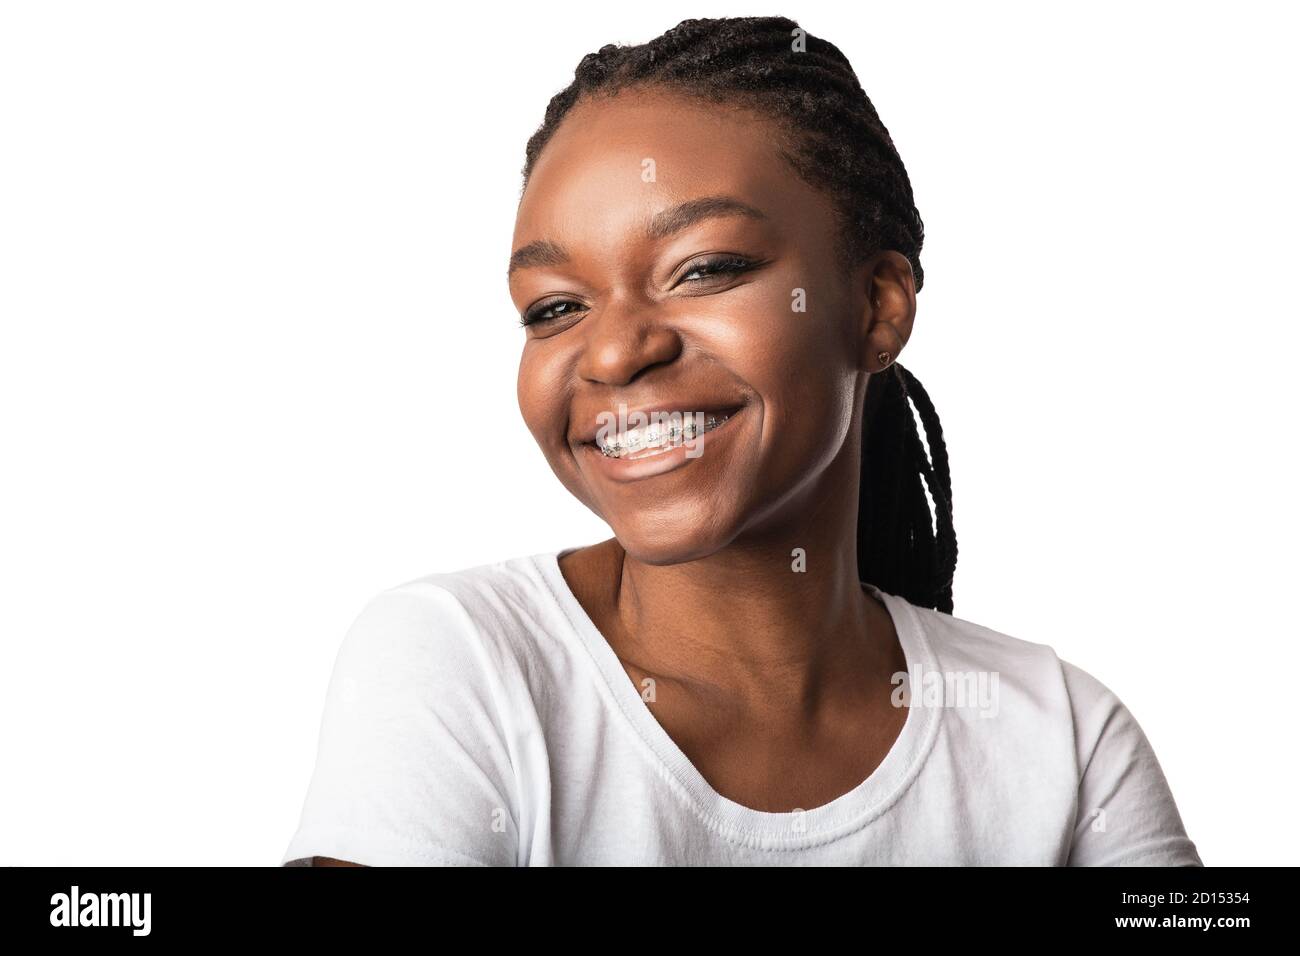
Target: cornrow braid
<point x="834" y="139"/>
<point x="899" y="548"/>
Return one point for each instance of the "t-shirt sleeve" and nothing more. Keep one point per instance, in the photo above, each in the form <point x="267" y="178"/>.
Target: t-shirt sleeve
<point x="1127" y="815"/>
<point x="411" y="766"/>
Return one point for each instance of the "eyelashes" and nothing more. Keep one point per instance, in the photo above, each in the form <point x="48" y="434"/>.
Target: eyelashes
<point x="538" y="313"/>
<point x="718" y="265"/>
<point x="698" y="271"/>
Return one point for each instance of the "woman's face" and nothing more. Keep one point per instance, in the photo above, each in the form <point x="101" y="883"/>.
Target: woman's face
<point x="672" y="261"/>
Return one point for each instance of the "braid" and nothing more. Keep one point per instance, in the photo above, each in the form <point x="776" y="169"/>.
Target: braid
<point x="899" y="549"/>
<point x="834" y="139"/>
<point x="939" y="482"/>
<point x="837" y="141"/>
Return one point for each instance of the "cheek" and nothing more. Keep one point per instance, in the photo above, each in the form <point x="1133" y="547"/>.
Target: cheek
<point x="778" y="348"/>
<point x="800" y="364"/>
<point x="543" y="401"/>
<point x="796" y="316"/>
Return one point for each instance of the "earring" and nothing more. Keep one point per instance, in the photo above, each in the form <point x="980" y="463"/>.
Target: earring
<point x="886" y="357"/>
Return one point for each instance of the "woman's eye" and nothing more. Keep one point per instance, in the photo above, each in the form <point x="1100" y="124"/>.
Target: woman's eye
<point x="718" y="266"/>
<point x="698" y="271"/>
<point x="548" y="311"/>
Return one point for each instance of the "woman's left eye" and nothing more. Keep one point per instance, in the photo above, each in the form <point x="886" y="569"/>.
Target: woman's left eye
<point x="703" y="269"/>
<point x="549" y="311"/>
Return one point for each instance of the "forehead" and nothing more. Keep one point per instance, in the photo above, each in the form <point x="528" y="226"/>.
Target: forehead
<point x="614" y="161"/>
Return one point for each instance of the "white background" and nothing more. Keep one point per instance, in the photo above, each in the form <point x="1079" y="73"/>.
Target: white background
<point x="258" y="363"/>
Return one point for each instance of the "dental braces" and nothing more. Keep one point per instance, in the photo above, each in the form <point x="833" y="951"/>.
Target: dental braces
<point x="652" y="434"/>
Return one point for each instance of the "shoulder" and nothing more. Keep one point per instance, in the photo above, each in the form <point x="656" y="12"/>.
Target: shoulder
<point x="1066" y="721"/>
<point x="1029" y="673"/>
<point x="419" y="753"/>
<point x="1026" y="670"/>
<point x="1032" y="669"/>
<point x="485" y="618"/>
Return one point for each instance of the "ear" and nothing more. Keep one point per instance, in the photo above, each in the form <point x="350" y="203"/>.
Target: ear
<point x="889" y="310"/>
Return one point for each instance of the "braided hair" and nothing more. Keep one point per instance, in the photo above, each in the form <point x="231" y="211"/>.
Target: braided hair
<point x="834" y="139"/>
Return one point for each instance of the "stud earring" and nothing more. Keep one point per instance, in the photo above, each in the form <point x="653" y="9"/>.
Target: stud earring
<point x="885" y="357"/>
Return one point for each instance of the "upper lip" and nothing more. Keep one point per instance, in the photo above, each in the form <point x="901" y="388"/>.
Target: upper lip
<point x="586" y="434"/>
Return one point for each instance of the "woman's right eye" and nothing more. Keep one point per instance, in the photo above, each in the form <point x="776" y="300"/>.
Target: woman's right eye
<point x="549" y="311"/>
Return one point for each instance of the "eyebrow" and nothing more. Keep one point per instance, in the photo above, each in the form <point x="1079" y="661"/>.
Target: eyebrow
<point x="543" y="252"/>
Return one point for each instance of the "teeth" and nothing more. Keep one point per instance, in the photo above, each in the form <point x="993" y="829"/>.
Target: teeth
<point x="665" y="434"/>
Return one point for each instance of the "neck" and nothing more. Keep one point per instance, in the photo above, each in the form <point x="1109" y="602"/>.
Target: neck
<point x="779" y="615"/>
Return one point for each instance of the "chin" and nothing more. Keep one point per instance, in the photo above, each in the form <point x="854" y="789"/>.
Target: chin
<point x="662" y="539"/>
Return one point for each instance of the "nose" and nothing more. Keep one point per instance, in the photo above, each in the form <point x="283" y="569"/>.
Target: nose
<point x="623" y="343"/>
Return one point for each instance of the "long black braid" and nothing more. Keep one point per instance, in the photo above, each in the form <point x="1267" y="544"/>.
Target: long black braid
<point x="835" y="140"/>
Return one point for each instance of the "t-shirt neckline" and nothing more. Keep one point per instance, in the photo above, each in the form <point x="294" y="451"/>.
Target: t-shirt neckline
<point x="845" y="814"/>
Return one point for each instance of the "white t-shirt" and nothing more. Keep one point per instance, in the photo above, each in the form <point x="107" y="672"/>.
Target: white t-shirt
<point x="479" y="717"/>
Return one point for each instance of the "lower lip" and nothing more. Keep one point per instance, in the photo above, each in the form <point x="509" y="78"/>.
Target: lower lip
<point x="634" y="469"/>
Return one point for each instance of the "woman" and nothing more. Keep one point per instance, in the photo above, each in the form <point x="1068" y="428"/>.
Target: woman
<point x="716" y="261"/>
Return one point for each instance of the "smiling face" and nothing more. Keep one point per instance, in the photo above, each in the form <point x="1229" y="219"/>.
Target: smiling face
<point x="663" y="252"/>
